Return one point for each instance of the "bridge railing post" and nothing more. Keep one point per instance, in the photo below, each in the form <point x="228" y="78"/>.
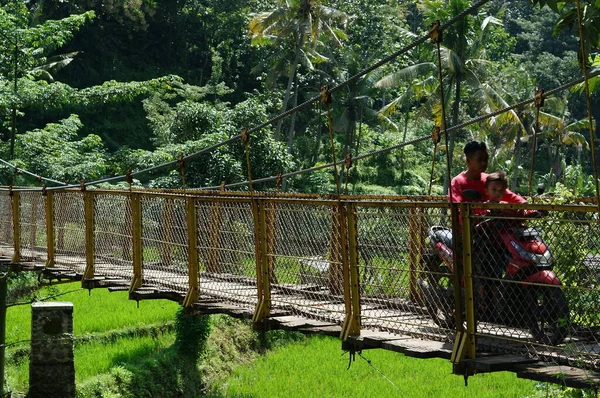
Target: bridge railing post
<point x="349" y="246"/>
<point x="464" y="344"/>
<point x="50" y="240"/>
<point x="135" y="201"/>
<point x="16" y="214"/>
<point x="90" y="243"/>
<point x="263" y="307"/>
<point x="193" y="263"/>
<point x="468" y="276"/>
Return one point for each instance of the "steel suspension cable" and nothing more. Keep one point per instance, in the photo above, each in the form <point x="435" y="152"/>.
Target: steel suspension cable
<point x="282" y="115"/>
<point x="376" y="152"/>
<point x="38" y="177"/>
<point x="359" y="157"/>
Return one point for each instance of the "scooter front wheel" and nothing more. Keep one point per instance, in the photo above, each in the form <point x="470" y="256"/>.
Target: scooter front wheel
<point x="549" y="314"/>
<point x="439" y="301"/>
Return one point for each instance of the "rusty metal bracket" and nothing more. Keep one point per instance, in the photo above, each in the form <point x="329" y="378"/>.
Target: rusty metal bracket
<point x="436" y="135"/>
<point x="181" y="165"/>
<point x="435" y="33"/>
<point x="245" y="136"/>
<point x="279" y="180"/>
<point x="539" y="98"/>
<point x="325" y="95"/>
<point x="348" y="161"/>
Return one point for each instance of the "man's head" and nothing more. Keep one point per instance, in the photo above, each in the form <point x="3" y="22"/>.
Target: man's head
<point x="495" y="186"/>
<point x="477" y="156"/>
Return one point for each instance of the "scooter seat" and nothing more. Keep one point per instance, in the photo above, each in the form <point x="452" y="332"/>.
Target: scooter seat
<point x="527" y="233"/>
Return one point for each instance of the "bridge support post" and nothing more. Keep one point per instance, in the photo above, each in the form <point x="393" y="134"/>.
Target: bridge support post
<point x="16" y="214"/>
<point x="464" y="344"/>
<point x="352" y="322"/>
<point x="193" y="266"/>
<point x="50" y="240"/>
<point x="90" y="243"/>
<point x="136" y="219"/>
<point x="263" y="307"/>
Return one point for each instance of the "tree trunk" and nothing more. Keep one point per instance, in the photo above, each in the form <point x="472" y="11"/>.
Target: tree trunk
<point x="402" y="163"/>
<point x="288" y="89"/>
<point x="291" y="132"/>
<point x="517" y="162"/>
<point x="453" y="122"/>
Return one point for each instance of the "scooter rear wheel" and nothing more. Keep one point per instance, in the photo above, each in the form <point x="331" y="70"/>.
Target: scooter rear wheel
<point x="549" y="315"/>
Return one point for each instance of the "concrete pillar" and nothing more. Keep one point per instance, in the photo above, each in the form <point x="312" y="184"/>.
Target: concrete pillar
<point x="51" y="366"/>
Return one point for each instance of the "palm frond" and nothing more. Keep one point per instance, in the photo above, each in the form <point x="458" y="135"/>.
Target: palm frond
<point x="406" y="74"/>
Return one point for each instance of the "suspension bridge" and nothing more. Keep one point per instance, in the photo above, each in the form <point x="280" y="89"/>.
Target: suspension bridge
<point x="347" y="267"/>
<point x="361" y="268"/>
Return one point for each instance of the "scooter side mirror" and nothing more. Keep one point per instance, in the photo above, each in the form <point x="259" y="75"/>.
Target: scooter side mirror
<point x="541" y="188"/>
<point x="472" y="194"/>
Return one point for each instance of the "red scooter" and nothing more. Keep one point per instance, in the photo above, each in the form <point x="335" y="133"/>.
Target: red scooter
<point x="514" y="282"/>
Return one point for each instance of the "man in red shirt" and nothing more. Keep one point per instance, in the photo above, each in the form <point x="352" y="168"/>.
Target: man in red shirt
<point x="474" y="177"/>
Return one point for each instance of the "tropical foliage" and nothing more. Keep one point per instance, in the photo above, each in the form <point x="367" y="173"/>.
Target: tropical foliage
<point x="92" y="89"/>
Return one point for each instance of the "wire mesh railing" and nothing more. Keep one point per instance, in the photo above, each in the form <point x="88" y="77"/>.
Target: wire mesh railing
<point x="304" y="260"/>
<point x="537" y="282"/>
<point x="226" y="247"/>
<point x="69" y="224"/>
<point x="113" y="235"/>
<point x="526" y="277"/>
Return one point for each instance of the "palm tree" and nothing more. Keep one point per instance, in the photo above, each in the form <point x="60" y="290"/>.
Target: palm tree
<point x="559" y="131"/>
<point x="301" y="25"/>
<point x="462" y="56"/>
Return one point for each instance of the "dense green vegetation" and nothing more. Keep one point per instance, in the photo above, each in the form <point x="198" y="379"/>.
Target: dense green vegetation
<point x="93" y="89"/>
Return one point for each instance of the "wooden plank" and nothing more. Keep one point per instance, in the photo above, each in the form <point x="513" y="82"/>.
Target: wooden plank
<point x="563" y="375"/>
<point x="419" y="348"/>
<point x="497" y="363"/>
<point x="373" y="339"/>
<point x="334" y="330"/>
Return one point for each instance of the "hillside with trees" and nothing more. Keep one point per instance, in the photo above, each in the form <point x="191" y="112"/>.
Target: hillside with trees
<point x="93" y="89"/>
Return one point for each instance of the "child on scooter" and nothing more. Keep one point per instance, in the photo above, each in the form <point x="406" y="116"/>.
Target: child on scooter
<point x="495" y="189"/>
<point x="495" y="186"/>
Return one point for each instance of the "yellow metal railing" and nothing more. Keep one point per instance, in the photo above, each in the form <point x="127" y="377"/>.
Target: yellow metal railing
<point x="361" y="263"/>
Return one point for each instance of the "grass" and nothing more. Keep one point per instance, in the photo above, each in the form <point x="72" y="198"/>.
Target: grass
<point x="96" y="358"/>
<point x="99" y="315"/>
<point x="97" y="312"/>
<point x="316" y="368"/>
